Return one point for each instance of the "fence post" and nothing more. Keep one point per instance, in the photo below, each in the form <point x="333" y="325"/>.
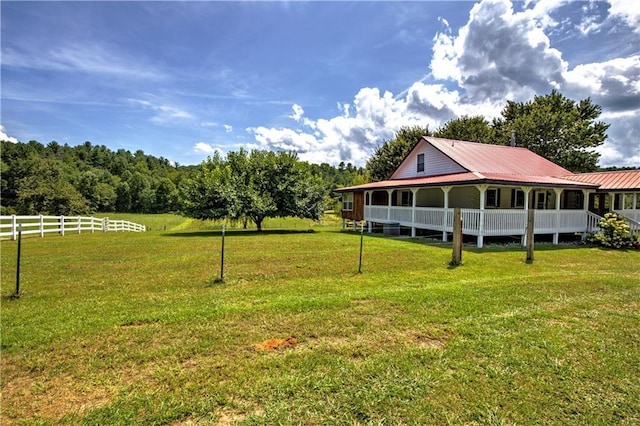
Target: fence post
<point x="93" y="224"/>
<point x="361" y="242"/>
<point x="13" y="227"/>
<point x="41" y="226"/>
<point x="79" y="224"/>
<point x="530" y="236"/>
<point x="456" y="257"/>
<point x="62" y="225"/>
<point x="18" y="261"/>
<point x="222" y="256"/>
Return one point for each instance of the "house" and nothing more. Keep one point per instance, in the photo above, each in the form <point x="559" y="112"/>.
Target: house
<point x="494" y="186"/>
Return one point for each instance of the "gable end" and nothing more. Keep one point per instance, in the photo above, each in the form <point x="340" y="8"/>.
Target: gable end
<point x="435" y="163"/>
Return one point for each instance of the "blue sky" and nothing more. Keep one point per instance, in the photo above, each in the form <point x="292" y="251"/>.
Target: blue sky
<point x="329" y="80"/>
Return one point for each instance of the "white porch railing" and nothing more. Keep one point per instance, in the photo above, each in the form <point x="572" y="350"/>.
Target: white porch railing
<point x="493" y="222"/>
<point x="633" y="214"/>
<point x="41" y="225"/>
<point x="633" y="218"/>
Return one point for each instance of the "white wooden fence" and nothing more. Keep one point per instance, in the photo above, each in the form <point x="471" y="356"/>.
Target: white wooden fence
<point x="41" y="225"/>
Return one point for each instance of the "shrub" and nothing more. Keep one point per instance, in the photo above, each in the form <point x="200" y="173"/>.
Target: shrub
<point x="614" y="232"/>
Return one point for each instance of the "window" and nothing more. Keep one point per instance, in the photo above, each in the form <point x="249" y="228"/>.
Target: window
<point x="493" y="198"/>
<point x="517" y="198"/>
<point x="347" y="201"/>
<point x="420" y="167"/>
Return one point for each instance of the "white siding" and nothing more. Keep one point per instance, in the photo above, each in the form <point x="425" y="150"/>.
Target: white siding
<point x="435" y="163"/>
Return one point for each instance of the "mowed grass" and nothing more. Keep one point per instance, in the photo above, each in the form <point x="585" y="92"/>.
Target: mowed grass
<point x="124" y="328"/>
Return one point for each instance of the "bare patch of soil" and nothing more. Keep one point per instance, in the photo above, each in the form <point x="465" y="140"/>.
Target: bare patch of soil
<point x="276" y="344"/>
<point x="428" y="342"/>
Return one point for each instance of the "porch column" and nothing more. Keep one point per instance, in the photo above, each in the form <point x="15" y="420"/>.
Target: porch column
<point x="526" y="190"/>
<point x="414" y="191"/>
<point x="612" y="201"/>
<point x="367" y="196"/>
<point x="556" y="235"/>
<point x="585" y="208"/>
<point x="483" y="192"/>
<point x="445" y="190"/>
<point x="389" y="202"/>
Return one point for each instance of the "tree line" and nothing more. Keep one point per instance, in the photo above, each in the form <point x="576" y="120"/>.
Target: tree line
<point x="60" y="179"/>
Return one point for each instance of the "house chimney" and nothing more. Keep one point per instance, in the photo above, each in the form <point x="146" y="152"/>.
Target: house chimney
<point x="513" y="138"/>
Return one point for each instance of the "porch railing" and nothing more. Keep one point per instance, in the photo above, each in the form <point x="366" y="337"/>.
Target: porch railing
<point x="493" y="222"/>
<point x="633" y="218"/>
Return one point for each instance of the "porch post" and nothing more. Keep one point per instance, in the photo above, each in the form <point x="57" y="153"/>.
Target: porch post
<point x="445" y="190"/>
<point x="414" y="191"/>
<point x="483" y="191"/>
<point x="526" y="190"/>
<point x="389" y="202"/>
<point x="556" y="235"/>
<point x="585" y="208"/>
<point x="612" y="201"/>
<point x="367" y="196"/>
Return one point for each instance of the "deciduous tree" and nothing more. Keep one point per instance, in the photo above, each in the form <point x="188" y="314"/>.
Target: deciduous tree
<point x="254" y="185"/>
<point x="555" y="127"/>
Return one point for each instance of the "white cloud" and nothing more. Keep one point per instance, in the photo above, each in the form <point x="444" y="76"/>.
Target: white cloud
<point x="207" y="149"/>
<point x="628" y="11"/>
<point x="498" y="55"/>
<point x="298" y="112"/>
<point x="492" y="55"/>
<point x="165" y="114"/>
<point x="228" y="128"/>
<point x="90" y="58"/>
<point x="5" y="137"/>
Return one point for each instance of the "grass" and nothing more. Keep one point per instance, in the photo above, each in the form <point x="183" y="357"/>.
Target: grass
<point x="124" y="328"/>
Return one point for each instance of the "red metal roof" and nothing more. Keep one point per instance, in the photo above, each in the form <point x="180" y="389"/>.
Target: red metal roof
<point x="471" y="178"/>
<point x="498" y="164"/>
<point x="497" y="159"/>
<point x="616" y="180"/>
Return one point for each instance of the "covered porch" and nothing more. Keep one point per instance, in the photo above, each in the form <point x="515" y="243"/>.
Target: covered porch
<point x="487" y="210"/>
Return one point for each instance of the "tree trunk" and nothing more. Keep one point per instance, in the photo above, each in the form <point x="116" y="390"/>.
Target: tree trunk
<point x="258" y="222"/>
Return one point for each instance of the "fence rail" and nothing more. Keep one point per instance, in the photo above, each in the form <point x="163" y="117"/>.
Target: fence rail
<point x="41" y="225"/>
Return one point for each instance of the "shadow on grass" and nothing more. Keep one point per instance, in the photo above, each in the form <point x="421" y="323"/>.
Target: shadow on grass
<point x="238" y="232"/>
<point x="491" y="247"/>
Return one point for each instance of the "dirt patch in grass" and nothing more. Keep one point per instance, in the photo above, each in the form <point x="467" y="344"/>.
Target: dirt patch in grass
<point x="49" y="399"/>
<point x="276" y="344"/>
<point x="428" y="342"/>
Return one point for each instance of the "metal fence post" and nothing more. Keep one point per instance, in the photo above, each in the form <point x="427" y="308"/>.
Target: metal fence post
<point x="18" y="261"/>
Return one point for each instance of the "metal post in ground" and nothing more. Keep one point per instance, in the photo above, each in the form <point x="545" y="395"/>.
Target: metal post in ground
<point x="18" y="261"/>
<point x="361" y="242"/>
<point x="222" y="256"/>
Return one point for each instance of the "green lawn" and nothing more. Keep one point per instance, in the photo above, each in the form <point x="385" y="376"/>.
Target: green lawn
<point x="126" y="328"/>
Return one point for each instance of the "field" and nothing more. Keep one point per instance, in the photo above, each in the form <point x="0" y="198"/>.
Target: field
<point x="124" y="328"/>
